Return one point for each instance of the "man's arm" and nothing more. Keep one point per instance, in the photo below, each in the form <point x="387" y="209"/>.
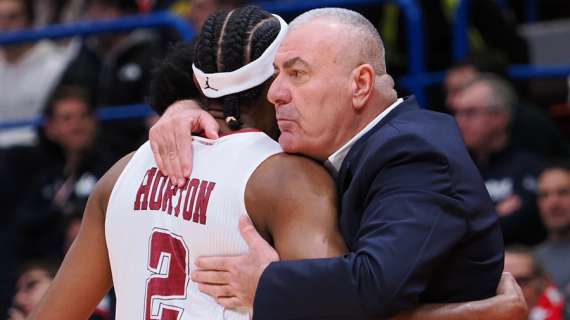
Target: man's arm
<point x="508" y="304"/>
<point x="410" y="218"/>
<point x="292" y="201"/>
<point x="85" y="275"/>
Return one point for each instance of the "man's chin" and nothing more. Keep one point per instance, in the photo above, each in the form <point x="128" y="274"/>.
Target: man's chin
<point x="288" y="143"/>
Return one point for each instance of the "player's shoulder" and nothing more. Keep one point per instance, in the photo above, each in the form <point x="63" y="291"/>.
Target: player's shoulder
<point x="289" y="178"/>
<point x="292" y="169"/>
<point x="286" y="184"/>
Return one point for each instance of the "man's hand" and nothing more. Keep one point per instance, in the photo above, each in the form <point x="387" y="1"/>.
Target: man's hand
<point x="508" y="304"/>
<point x="171" y="138"/>
<point x="513" y="304"/>
<point x="232" y="281"/>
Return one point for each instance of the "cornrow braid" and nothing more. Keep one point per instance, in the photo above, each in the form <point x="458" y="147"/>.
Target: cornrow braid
<point x="206" y="54"/>
<point x="235" y="36"/>
<point x="227" y="43"/>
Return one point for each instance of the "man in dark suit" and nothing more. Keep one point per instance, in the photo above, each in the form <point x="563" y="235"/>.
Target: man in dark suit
<point x="414" y="211"/>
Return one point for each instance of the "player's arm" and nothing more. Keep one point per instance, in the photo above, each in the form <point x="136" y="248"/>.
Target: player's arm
<point x="85" y="274"/>
<point x="292" y="201"/>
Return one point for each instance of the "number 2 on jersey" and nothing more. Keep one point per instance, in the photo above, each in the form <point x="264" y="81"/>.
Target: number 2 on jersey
<point x="168" y="262"/>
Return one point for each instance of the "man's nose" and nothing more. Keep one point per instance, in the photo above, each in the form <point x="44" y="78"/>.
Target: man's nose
<point x="278" y="93"/>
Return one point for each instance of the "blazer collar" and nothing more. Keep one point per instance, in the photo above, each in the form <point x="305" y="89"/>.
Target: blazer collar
<point x="409" y="104"/>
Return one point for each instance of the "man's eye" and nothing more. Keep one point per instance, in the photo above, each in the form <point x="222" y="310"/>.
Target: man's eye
<point x="295" y="73"/>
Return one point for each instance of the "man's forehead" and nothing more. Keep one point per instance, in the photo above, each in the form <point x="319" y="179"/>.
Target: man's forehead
<point x="291" y="50"/>
<point x="554" y="176"/>
<point x="306" y="43"/>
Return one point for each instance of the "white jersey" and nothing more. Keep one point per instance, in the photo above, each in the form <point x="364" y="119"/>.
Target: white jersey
<point x="155" y="230"/>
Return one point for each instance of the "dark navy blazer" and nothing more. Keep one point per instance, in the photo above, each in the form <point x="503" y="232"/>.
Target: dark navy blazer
<point x="418" y="222"/>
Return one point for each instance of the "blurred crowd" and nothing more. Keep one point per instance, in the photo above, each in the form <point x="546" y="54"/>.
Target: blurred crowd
<point x="517" y="131"/>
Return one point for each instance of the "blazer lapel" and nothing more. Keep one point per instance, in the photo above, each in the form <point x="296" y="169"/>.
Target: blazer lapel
<point x="344" y="176"/>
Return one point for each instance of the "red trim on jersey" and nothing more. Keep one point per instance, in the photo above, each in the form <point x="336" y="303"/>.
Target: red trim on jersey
<point x="244" y="130"/>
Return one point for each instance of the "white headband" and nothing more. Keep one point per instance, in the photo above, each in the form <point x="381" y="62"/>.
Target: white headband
<point x="215" y="85"/>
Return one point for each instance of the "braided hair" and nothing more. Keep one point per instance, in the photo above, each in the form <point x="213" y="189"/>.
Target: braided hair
<point x="230" y="40"/>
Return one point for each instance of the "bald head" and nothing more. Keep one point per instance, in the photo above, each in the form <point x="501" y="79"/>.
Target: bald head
<point x="362" y="37"/>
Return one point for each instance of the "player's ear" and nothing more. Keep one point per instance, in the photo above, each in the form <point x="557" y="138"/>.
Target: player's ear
<point x="362" y="81"/>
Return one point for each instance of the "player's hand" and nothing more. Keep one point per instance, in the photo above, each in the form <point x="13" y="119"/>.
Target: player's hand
<point x="511" y="303"/>
<point x="171" y="138"/>
<point x="232" y="281"/>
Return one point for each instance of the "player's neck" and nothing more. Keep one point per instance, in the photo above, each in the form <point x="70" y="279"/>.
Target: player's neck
<point x="224" y="128"/>
<point x="255" y="115"/>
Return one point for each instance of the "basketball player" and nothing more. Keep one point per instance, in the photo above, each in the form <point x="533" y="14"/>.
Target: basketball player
<point x="146" y="232"/>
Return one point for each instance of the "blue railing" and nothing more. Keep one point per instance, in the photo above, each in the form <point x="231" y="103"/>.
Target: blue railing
<point x="103" y="114"/>
<point x="461" y="48"/>
<point x="87" y="28"/>
<point x="515" y="71"/>
<point x="461" y="24"/>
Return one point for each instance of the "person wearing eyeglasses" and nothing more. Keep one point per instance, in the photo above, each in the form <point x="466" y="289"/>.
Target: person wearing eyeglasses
<point x="484" y="111"/>
<point x="544" y="300"/>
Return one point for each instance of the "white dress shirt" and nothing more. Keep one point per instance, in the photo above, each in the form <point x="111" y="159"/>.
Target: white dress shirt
<point x="335" y="160"/>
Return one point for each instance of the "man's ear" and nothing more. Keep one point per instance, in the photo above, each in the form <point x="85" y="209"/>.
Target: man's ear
<point x="363" y="80"/>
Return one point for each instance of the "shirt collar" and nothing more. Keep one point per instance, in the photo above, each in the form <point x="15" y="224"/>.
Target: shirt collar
<point x="334" y="162"/>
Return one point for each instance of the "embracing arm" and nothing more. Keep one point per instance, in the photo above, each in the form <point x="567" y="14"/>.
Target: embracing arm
<point x="171" y="137"/>
<point x="85" y="275"/>
<point x="508" y="304"/>
<point x="408" y="223"/>
<point x="293" y="203"/>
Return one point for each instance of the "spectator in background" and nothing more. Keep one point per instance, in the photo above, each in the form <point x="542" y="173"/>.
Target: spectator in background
<point x="554" y="204"/>
<point x="543" y="299"/>
<point x="527" y="119"/>
<point x="33" y="283"/>
<point x="483" y="111"/>
<point x="63" y="187"/>
<point x="464" y="72"/>
<point x="28" y="73"/>
<point x="116" y="69"/>
<point x="58" y="11"/>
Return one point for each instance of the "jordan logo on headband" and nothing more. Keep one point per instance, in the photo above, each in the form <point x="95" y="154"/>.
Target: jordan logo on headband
<point x="247" y="76"/>
<point x="208" y="86"/>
